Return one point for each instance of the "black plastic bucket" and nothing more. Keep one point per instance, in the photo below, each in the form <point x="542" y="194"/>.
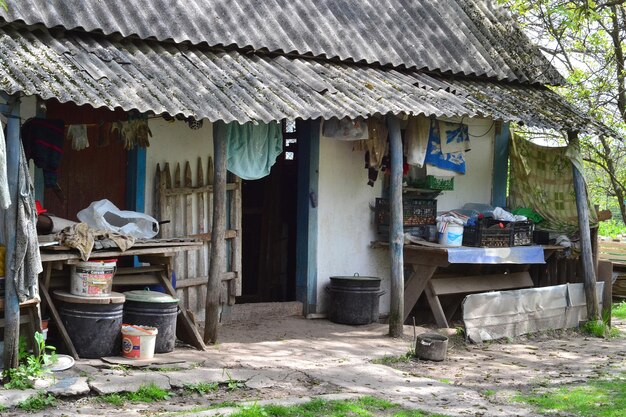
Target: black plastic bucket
<point x="150" y="308"/>
<point x="95" y="329"/>
<point x="354" y="300"/>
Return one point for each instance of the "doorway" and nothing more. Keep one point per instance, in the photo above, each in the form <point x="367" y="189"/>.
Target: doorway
<point x="269" y="221"/>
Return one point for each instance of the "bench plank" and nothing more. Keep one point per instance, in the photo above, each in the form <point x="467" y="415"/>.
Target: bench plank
<point x="481" y="283"/>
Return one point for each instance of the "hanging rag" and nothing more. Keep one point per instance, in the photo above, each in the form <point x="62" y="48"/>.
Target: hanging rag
<point x="43" y="143"/>
<point x="26" y="263"/>
<point x="134" y="132"/>
<point x="345" y="129"/>
<point x="542" y="179"/>
<point x="454" y="162"/>
<point x="77" y="134"/>
<point x="252" y="149"/>
<point x="375" y="148"/>
<point x="416" y="139"/>
<point x="5" y="196"/>
<point x="454" y="137"/>
<point x="85" y="239"/>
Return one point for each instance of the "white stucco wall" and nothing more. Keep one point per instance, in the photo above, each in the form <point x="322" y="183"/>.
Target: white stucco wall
<point x="176" y="143"/>
<point x="345" y="221"/>
<point x="476" y="185"/>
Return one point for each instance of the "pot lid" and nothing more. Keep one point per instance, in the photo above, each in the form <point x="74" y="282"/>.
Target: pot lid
<point x="148" y="296"/>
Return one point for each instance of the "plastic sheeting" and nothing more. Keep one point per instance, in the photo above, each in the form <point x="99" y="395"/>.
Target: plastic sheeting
<point x="512" y="255"/>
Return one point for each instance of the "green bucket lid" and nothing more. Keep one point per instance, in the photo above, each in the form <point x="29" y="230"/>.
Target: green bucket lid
<point x="147" y="296"/>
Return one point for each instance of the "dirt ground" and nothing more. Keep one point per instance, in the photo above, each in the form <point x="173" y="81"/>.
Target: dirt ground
<point x="290" y="358"/>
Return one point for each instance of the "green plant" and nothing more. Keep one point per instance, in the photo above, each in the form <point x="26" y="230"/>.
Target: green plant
<point x="232" y="384"/>
<point x="31" y="366"/>
<point x="619" y="310"/>
<point x="113" y="399"/>
<point x="611" y="228"/>
<point x="599" y="328"/>
<point x="390" y="359"/>
<point x="489" y="393"/>
<point x="148" y="393"/>
<point x="37" y="402"/>
<point x="202" y="387"/>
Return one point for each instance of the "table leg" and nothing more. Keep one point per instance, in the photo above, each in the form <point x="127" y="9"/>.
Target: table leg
<point x="415" y="285"/>
<point x="435" y="306"/>
<point x="43" y="290"/>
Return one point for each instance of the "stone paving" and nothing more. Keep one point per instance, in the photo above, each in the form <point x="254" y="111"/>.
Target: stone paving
<point x="284" y="360"/>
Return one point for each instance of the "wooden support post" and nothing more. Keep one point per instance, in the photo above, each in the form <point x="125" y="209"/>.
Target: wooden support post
<point x="396" y="234"/>
<point x="582" y="206"/>
<point x="218" y="243"/>
<point x="12" y="302"/>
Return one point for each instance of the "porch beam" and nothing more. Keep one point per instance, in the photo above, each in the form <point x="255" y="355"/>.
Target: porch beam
<point x="12" y="303"/>
<point x="396" y="231"/>
<point x="582" y="207"/>
<point x="218" y="243"/>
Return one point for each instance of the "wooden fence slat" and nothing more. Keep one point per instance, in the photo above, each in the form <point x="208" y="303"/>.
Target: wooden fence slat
<point x="237" y="224"/>
<point x="191" y="256"/>
<point x="179" y="227"/>
<point x="166" y="208"/>
<point x="202" y="270"/>
<point x="156" y="196"/>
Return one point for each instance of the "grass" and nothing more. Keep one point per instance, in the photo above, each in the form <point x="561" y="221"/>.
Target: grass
<point x="597" y="398"/>
<point x="619" y="310"/>
<point x="390" y="359"/>
<point x="202" y="387"/>
<point x="37" y="402"/>
<point x="599" y="328"/>
<point x="145" y="394"/>
<point x="361" y="407"/>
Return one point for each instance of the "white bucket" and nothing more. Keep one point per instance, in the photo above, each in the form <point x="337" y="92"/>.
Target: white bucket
<point x="450" y="234"/>
<point x="93" y="278"/>
<point x="138" y="341"/>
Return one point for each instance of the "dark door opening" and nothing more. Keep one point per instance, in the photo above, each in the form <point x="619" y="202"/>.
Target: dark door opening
<point x="269" y="207"/>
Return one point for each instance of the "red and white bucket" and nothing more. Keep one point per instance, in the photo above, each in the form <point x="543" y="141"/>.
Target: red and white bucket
<point x="138" y="341"/>
<point x="93" y="278"/>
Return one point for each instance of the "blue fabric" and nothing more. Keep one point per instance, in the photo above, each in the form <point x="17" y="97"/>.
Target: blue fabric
<point x="448" y="161"/>
<point x="253" y="149"/>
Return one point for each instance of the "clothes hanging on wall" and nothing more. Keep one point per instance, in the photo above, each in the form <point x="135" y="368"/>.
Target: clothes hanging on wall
<point x="436" y="157"/>
<point x="26" y="262"/>
<point x="43" y="143"/>
<point x="134" y="132"/>
<point x="375" y="147"/>
<point x="5" y="196"/>
<point x="416" y="139"/>
<point x="454" y="137"/>
<point x="345" y="129"/>
<point x="77" y="135"/>
<point x="252" y="149"/>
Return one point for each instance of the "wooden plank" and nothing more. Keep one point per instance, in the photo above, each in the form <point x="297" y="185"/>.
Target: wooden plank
<point x="202" y="280"/>
<point x="435" y="305"/>
<point x="201" y="208"/>
<point x="68" y="256"/>
<point x="206" y="237"/>
<point x="481" y="283"/>
<point x="415" y="285"/>
<point x="166" y="208"/>
<point x="138" y="279"/>
<point x="179" y="224"/>
<point x="236" y="222"/>
<point x="156" y="196"/>
<point x="43" y="291"/>
<point x="178" y="191"/>
<point x="191" y="257"/>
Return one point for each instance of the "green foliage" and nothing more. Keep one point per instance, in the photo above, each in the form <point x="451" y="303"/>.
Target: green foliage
<point x="598" y="398"/>
<point x="390" y="359"/>
<point x="202" y="387"/>
<point x="619" y="310"/>
<point x="30" y="366"/>
<point x="599" y="328"/>
<point x="115" y="399"/>
<point x="612" y="228"/>
<point x="37" y="402"/>
<point x="148" y="393"/>
<point x="232" y="384"/>
<point x="4" y="5"/>
<point x="365" y="407"/>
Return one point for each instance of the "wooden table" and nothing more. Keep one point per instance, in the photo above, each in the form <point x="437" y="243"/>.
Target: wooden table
<point x="158" y="254"/>
<point x="427" y="258"/>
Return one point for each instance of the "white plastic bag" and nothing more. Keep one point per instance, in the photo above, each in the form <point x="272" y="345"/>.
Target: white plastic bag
<point x="105" y="216"/>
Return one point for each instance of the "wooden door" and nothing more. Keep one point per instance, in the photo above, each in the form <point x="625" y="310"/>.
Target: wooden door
<point x="91" y="174"/>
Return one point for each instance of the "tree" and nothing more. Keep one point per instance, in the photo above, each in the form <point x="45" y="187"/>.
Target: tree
<point x="585" y="40"/>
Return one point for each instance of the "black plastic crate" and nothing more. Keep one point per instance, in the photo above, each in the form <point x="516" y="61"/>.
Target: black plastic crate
<point x="490" y="233"/>
<point x="416" y="212"/>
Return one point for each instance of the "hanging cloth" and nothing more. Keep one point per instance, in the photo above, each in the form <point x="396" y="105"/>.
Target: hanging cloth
<point x="5" y="196"/>
<point x="434" y="156"/>
<point x="77" y="135"/>
<point x="416" y="139"/>
<point x="26" y="263"/>
<point x="43" y="143"/>
<point x="542" y="179"/>
<point x="454" y="137"/>
<point x="253" y="149"/>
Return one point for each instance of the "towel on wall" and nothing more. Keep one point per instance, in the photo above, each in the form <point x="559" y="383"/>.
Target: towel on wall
<point x="416" y="139"/>
<point x="435" y="156"/>
<point x="252" y="149"/>
<point x="454" y="137"/>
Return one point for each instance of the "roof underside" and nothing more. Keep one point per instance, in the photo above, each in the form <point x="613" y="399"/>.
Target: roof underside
<point x="230" y="86"/>
<point x="468" y="37"/>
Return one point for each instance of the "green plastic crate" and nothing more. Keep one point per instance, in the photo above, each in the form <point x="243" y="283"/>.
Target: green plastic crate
<point x="433" y="183"/>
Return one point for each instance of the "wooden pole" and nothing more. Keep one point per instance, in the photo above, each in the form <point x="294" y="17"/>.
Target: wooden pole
<point x="582" y="206"/>
<point x="218" y="243"/>
<point x="12" y="303"/>
<point x="396" y="232"/>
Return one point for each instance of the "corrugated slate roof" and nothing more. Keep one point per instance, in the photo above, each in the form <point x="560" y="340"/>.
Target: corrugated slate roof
<point x="470" y="37"/>
<point x="231" y="86"/>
